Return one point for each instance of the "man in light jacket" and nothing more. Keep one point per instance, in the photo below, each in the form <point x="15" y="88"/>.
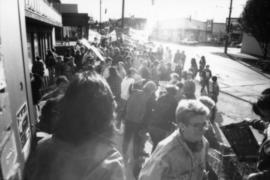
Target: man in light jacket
<point x="182" y="155"/>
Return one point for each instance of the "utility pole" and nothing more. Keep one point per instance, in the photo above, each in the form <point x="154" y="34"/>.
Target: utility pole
<point x="123" y="13"/>
<point x="100" y="3"/>
<point x="228" y="28"/>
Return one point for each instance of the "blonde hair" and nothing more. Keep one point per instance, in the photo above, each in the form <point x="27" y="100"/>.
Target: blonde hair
<point x="190" y="108"/>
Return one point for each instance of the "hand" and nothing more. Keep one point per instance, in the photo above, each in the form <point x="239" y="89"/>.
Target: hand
<point x="247" y="121"/>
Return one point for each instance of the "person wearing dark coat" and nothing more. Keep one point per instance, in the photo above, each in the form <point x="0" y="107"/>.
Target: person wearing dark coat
<point x="114" y="80"/>
<point x="163" y="118"/>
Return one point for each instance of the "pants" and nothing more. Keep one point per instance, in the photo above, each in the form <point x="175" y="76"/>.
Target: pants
<point x="205" y="83"/>
<point x="131" y="131"/>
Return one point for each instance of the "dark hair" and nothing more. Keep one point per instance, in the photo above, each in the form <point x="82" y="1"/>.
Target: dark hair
<point x="108" y="59"/>
<point x="262" y="104"/>
<point x="86" y="109"/>
<point x="113" y="71"/>
<point x="266" y="91"/>
<point x="193" y="61"/>
<point x="131" y="71"/>
<point x="180" y="85"/>
<point x="214" y="78"/>
<point x="62" y="79"/>
<point x="171" y="89"/>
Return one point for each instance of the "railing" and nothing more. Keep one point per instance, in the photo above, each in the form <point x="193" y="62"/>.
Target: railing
<point x="43" y="9"/>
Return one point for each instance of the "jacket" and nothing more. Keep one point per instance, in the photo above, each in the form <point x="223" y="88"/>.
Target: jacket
<point x="173" y="160"/>
<point x="136" y="106"/>
<point x="55" y="159"/>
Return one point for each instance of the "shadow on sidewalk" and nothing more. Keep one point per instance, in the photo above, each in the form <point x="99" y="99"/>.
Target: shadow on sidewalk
<point x="255" y="63"/>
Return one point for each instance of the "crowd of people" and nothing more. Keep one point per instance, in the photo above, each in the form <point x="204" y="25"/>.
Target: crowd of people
<point x="148" y="90"/>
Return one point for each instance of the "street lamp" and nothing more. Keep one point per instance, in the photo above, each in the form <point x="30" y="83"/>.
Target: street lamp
<point x="228" y="28"/>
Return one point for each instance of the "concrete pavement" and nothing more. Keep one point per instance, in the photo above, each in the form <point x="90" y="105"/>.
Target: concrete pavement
<point x="236" y="79"/>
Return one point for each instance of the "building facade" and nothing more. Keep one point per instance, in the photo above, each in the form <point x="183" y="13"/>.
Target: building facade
<point x="179" y="30"/>
<point x="251" y="46"/>
<point x="42" y="20"/>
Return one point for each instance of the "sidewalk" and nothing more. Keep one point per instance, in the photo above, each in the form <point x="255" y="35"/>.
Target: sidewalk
<point x="249" y="61"/>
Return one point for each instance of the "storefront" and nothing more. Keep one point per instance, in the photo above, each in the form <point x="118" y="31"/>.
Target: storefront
<point x="75" y="26"/>
<point x="39" y="39"/>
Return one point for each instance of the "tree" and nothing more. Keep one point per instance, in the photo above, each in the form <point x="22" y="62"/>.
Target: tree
<point x="255" y="20"/>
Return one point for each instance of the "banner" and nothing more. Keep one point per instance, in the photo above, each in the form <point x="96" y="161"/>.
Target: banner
<point x="92" y="35"/>
<point x="93" y="48"/>
<point x="113" y="36"/>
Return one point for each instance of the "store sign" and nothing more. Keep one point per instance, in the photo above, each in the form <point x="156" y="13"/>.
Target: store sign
<point x="209" y="25"/>
<point x="235" y="27"/>
<point x="24" y="129"/>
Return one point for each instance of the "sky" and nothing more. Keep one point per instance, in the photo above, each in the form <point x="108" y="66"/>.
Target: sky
<point x="203" y="10"/>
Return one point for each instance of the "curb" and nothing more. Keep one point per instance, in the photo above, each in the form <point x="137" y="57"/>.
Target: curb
<point x="236" y="97"/>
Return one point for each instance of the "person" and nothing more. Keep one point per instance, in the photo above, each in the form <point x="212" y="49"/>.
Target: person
<point x="174" y="78"/>
<point x="189" y="86"/>
<point x="78" y="60"/>
<point x="81" y="146"/>
<point x="214" y="89"/>
<point x="114" y="80"/>
<point x="126" y="84"/>
<point x="69" y="64"/>
<point x="162" y="72"/>
<point x="36" y="85"/>
<point x="135" y="111"/>
<point x="183" y="154"/>
<point x="38" y="67"/>
<point x="262" y="109"/>
<point x="50" y="61"/>
<point x="202" y="63"/>
<point x="194" y="68"/>
<point x="210" y="133"/>
<point x="121" y="70"/>
<point x="177" y="57"/>
<point x="163" y="118"/>
<point x="107" y="66"/>
<point x="154" y="71"/>
<point x="144" y="70"/>
<point x="168" y="71"/>
<point x="206" y="76"/>
<point x="183" y="59"/>
<point x="61" y="86"/>
<point x="180" y="93"/>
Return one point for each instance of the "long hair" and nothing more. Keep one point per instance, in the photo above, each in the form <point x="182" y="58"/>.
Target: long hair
<point x="86" y="110"/>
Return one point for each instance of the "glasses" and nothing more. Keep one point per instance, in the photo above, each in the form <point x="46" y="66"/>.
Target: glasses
<point x="203" y="125"/>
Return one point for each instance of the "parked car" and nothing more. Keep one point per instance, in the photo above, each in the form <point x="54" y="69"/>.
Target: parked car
<point x="189" y="42"/>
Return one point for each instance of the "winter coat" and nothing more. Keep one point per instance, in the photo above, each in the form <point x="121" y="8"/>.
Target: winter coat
<point x="173" y="160"/>
<point x="56" y="159"/>
<point x="136" y="106"/>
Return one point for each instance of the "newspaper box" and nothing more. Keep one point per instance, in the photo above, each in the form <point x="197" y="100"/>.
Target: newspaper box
<point x="242" y="141"/>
